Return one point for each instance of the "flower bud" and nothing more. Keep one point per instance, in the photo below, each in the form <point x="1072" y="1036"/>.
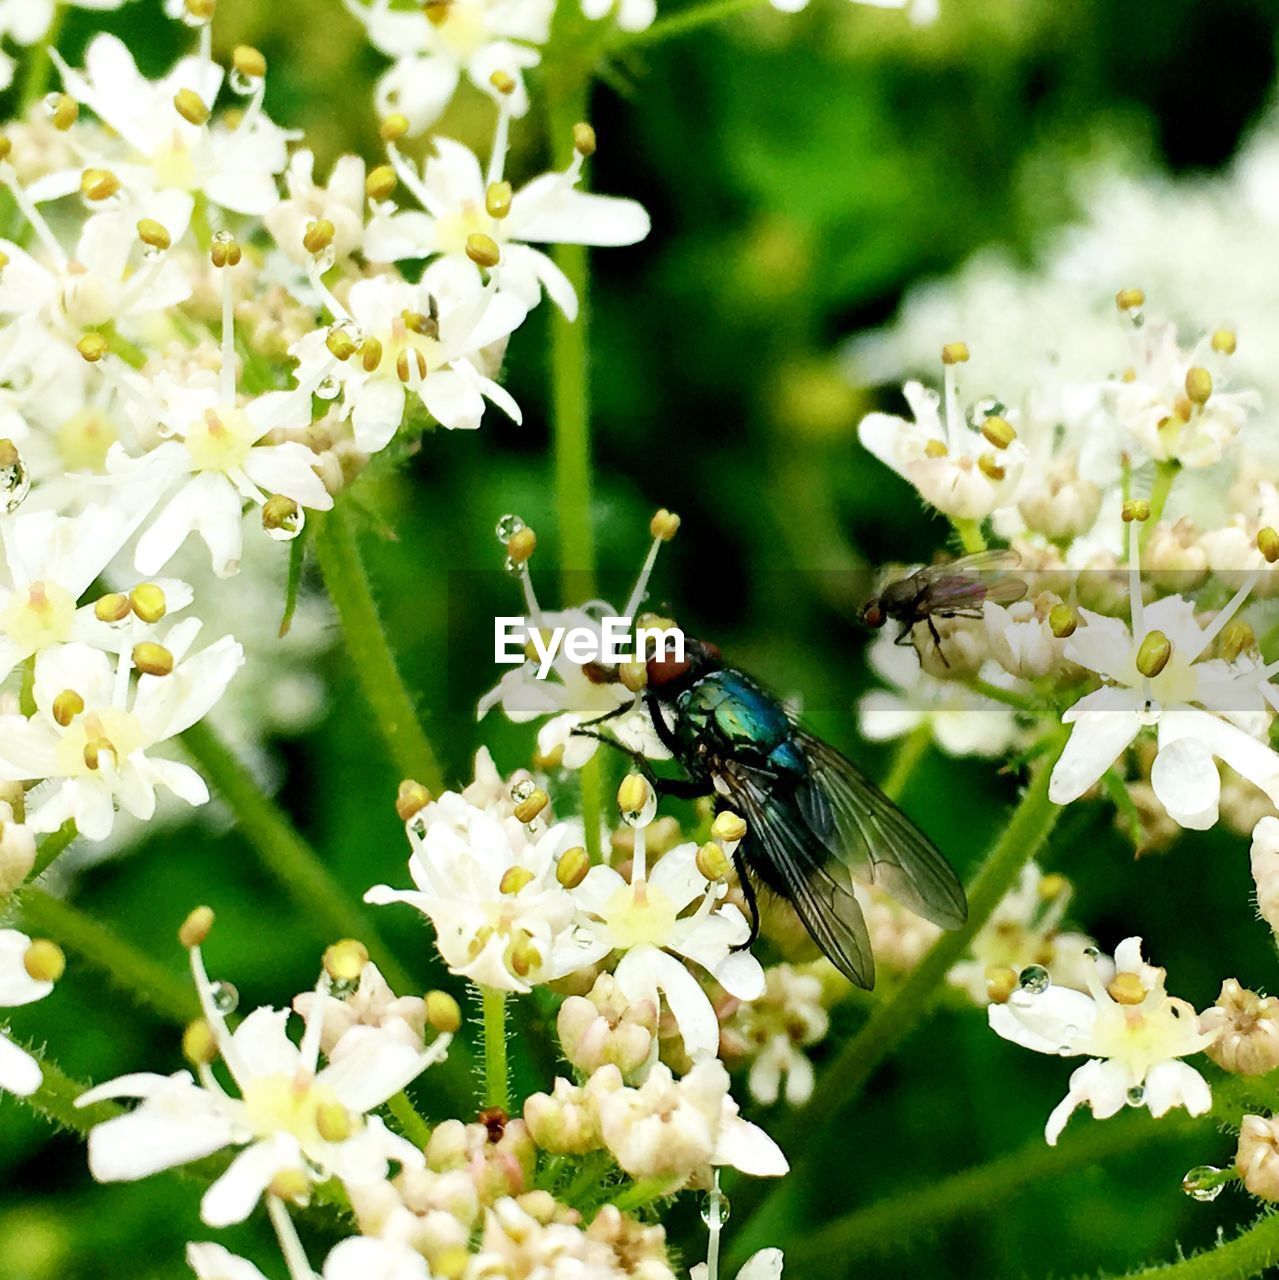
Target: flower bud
<point x="1198" y="384"/>
<point x="199" y="1044"/>
<point x="344" y="961"/>
<point x="195" y="928"/>
<point x="563" y="1121"/>
<point x="1248" y="1030"/>
<point x="954" y="353"/>
<point x="521" y="545"/>
<point x="712" y="862"/>
<point x="394" y="127"/>
<point x="1153" y="653"/>
<point x="17" y="850"/>
<point x="152" y="659"/>
<point x="66" y="706"/>
<point x="442" y="1012"/>
<point x="728" y="827"/>
<point x="153" y="234"/>
<point x="1268" y="544"/>
<point x="532" y="805"/>
<point x="583" y="139"/>
<point x="112" y="608"/>
<point x="249" y="61"/>
<point x="482" y="250"/>
<point x="411" y="799"/>
<point x="43" y="960"/>
<point x="92" y="347"/>
<point x="1224" y="342"/>
<point x="1062" y="620"/>
<point x="497" y="199"/>
<point x="572" y="866"/>
<point x="190" y="106"/>
<point x="381" y="182"/>
<point x="605" y="1028"/>
<point x="1130" y="299"/>
<point x="999" y="431"/>
<point x="1257" y="1157"/>
<point x="1265" y="869"/>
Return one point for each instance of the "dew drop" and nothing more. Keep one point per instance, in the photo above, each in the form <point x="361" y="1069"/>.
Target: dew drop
<point x="225" y="997"/>
<point x="328" y="388"/>
<point x="715" y="1209"/>
<point x="222" y="237"/>
<point x="1136" y="1096"/>
<point x="240" y="83"/>
<point x="521" y="790"/>
<point x="349" y="328"/>
<point x="1034" y="979"/>
<point x="51" y="103"/>
<point x="1092" y="953"/>
<point x="15" y="479"/>
<point x="192" y="19"/>
<point x="1203" y="1183"/>
<point x="1149" y="713"/>
<point x="288" y="527"/>
<point x="152" y="253"/>
<point x="323" y="260"/>
<point x="507" y="527"/>
<point x="512" y="566"/>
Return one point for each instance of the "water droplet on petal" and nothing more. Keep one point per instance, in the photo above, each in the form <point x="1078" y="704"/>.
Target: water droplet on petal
<point x="1092" y="952"/>
<point x="512" y="566"/>
<point x="51" y="103"/>
<point x="1203" y="1183"/>
<point x="288" y="527"/>
<point x="1034" y="979"/>
<point x="1136" y="1096"/>
<point x="153" y="253"/>
<point x="348" y="328"/>
<point x="222" y="237"/>
<point x="225" y="997"/>
<point x="507" y="527"/>
<point x="715" y="1209"/>
<point x="521" y="790"/>
<point x="15" y="479"/>
<point x="1149" y="713"/>
<point x="328" y="388"/>
<point x="323" y="260"/>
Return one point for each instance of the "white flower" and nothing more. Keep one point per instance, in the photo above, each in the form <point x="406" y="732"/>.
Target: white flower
<point x="954" y="467"/>
<point x="632" y="15"/>
<point x="27" y="22"/>
<point x="213" y="1262"/>
<point x="1133" y="1032"/>
<point x="17" y="849"/>
<point x="372" y="1010"/>
<point x="363" y="1258"/>
<point x="291" y="1117"/>
<point x="548" y="210"/>
<point x="212" y="463"/>
<point x="921" y="12"/>
<point x="90" y="733"/>
<point x="643" y="918"/>
<point x="672" y="1128"/>
<point x="487" y="883"/>
<point x="438" y="360"/>
<point x="341" y="202"/>
<point x="1265" y="869"/>
<point x="19" y="1072"/>
<point x="764" y="1265"/>
<point x="474" y="38"/>
<point x="1021" y="639"/>
<point x="161" y="149"/>
<point x="1200" y="705"/>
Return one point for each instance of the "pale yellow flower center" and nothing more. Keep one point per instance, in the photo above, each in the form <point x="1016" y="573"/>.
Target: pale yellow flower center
<point x="465" y="29"/>
<point x="288" y="1104"/>
<point x="83" y="440"/>
<point x="109" y="736"/>
<point x="38" y="616"/>
<point x="220" y="440"/>
<point x="174" y="166"/>
<point x="640" y="913"/>
<point x="1138" y="1036"/>
<point x="452" y="230"/>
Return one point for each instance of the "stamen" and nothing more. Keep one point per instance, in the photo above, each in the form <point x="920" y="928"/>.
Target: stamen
<point x="33" y="216"/>
<point x="501" y="137"/>
<point x="227" y="381"/>
<point x="1214" y="629"/>
<point x="215" y="1018"/>
<point x="310" y="1048"/>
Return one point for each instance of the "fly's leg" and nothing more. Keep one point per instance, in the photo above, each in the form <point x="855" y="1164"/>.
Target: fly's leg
<point x="932" y="627"/>
<point x="906" y="636"/>
<point x="748" y="892"/>
<point x="675" y="788"/>
<point x="678" y="788"/>
<point x="664" y="732"/>
<point x="609" y="715"/>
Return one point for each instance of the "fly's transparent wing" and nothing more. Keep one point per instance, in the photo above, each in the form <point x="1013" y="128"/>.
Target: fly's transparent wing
<point x="874" y="839"/>
<point x="784" y="851"/>
<point x="964" y="584"/>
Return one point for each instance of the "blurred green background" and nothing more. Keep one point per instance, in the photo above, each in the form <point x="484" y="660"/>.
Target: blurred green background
<point x="802" y="172"/>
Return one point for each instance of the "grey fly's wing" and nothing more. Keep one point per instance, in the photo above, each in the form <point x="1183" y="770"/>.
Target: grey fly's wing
<point x="788" y="855"/>
<point x="874" y="839"/>
<point x="962" y="586"/>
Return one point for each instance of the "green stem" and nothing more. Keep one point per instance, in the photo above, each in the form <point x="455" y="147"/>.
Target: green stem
<point x="27" y="694"/>
<point x="393" y="706"/>
<point x="55" y="1100"/>
<point x="52" y="846"/>
<point x="570" y="385"/>
<point x="890" y="1022"/>
<point x="35" y="79"/>
<point x="590" y="783"/>
<point x="285" y="854"/>
<point x="496" y="1080"/>
<point x="643" y="1192"/>
<point x="1165" y="474"/>
<point x="894" y="1221"/>
<point x="127" y="967"/>
<point x="910" y="751"/>
<point x="970" y="535"/>
<point x="692" y="19"/>
<point x="414" y="1128"/>
<point x="996" y="694"/>
<point x="1251" y="1253"/>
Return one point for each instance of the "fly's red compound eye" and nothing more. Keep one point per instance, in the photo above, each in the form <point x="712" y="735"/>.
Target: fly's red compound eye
<point x="872" y="614"/>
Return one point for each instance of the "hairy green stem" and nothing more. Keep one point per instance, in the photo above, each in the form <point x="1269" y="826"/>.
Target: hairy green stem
<point x="414" y="1128"/>
<point x="679" y="24"/>
<point x="894" y="1221"/>
<point x="374" y="663"/>
<point x="970" y="535"/>
<point x="55" y="1100"/>
<point x="124" y="965"/>
<point x="1251" y="1253"/>
<point x="285" y="854"/>
<point x="1165" y="474"/>
<point x="889" y="1024"/>
<point x="590" y="781"/>
<point x="496" y="1075"/>
<point x="910" y="751"/>
<point x="570" y="382"/>
<point x="52" y="846"/>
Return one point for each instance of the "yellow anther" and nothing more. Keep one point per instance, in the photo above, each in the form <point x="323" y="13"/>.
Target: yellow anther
<point x="503" y="82"/>
<point x="583" y="139"/>
<point x="712" y="861"/>
<point x="633" y="795"/>
<point x="66" y="111"/>
<point x="6" y="146"/>
<point x="225" y="253"/>
<point x="522" y="955"/>
<point x="664" y="524"/>
<point x="9" y="455"/>
<point x="148" y="601"/>
<point x="407" y="363"/>
<point x="1198" y="384"/>
<point x="394" y="127"/>
<point x="633" y="675"/>
<point x="1130" y="299"/>
<point x="199" y="1044"/>
<point x="1236" y="637"/>
<point x="521" y="545"/>
<point x="1225" y="342"/>
<point x="112" y="608"/>
<point x="99" y="184"/>
<point x="92" y="347"/>
<point x="1062" y="620"/>
<point x="195" y="928"/>
<point x="201" y="9"/>
<point x="1153" y="653"/>
<point x="442" y="1012"/>
<point x="482" y="250"/>
<point x="532" y="805"/>
<point x="411" y="799"/>
<point x="381" y="182"/>
<point x="371" y="354"/>
<point x="190" y="106"/>
<point x="318" y="235"/>
<point x="1137" y="509"/>
<point x="333" y="1122"/>
<point x="94" y="751"/>
<point x="1268" y="544"/>
<point x="935" y="449"/>
<point x="249" y="61"/>
<point x="437" y="11"/>
<point x="999" y="431"/>
<point x="1001" y="982"/>
<point x="43" y="960"/>
<point x="289" y="1184"/>
<point x="419" y="322"/>
<point x="1127" y="988"/>
<point x="989" y="466"/>
<point x="280" y="511"/>
<point x="344" y="961"/>
<point x="340" y="343"/>
<point x="572" y="866"/>
<point x="1053" y="886"/>
<point x="728" y="827"/>
<point x="66" y="706"/>
<point x="954" y="353"/>
<point x="497" y="199"/>
<point x="152" y="659"/>
<point x="153" y="234"/>
<point x="514" y="879"/>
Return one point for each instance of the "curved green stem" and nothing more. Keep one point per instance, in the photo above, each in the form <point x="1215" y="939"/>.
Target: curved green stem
<point x="680" y="24"/>
<point x="53" y="845"/>
<point x="285" y="854"/>
<point x="1251" y="1253"/>
<point x="414" y="1128"/>
<point x="970" y="535"/>
<point x="1165" y="474"/>
<point x="590" y="782"/>
<point x="371" y="656"/>
<point x="910" y="751"/>
<point x="496" y="1076"/>
<point x="121" y="962"/>
<point x="846" y="1075"/>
